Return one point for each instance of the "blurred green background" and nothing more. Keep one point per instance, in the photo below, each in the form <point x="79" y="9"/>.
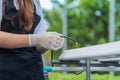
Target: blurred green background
<point x="88" y="23"/>
<point x="59" y="76"/>
<point x="87" y="20"/>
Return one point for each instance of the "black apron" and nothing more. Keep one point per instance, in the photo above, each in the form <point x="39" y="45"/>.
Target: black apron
<point x="21" y="63"/>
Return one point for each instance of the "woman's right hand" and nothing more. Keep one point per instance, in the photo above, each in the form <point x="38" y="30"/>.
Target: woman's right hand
<point x="48" y="40"/>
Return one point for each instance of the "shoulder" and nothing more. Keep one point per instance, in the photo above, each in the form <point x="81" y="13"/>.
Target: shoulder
<point x="38" y="7"/>
<point x="37" y="3"/>
<point x="41" y="27"/>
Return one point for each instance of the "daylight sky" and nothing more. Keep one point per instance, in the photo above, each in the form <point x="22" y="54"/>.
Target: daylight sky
<point x="46" y="4"/>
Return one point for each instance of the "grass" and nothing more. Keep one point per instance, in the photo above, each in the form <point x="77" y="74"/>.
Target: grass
<point x="60" y="76"/>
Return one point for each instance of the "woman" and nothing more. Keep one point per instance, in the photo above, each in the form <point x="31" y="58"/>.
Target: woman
<point x="23" y="39"/>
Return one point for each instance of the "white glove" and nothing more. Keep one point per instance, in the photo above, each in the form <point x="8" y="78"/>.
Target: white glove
<point x="48" y="40"/>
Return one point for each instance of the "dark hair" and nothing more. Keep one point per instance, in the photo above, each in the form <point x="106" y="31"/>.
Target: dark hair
<point x="25" y="14"/>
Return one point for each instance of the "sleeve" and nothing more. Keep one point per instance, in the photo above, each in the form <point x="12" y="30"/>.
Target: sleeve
<point x="1" y="9"/>
<point x="41" y="27"/>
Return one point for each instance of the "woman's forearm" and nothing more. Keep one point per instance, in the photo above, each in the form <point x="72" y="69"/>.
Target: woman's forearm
<point x="9" y="40"/>
<point x="47" y="40"/>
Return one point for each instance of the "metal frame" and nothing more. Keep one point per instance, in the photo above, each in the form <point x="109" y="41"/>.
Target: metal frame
<point x="87" y="65"/>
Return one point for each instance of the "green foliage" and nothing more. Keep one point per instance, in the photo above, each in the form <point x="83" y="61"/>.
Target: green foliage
<point x="69" y="1"/>
<point x="54" y="19"/>
<point x="59" y="76"/>
<point x="117" y="20"/>
<point x="86" y="26"/>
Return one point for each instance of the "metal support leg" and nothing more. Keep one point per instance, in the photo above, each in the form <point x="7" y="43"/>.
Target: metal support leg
<point x="88" y="72"/>
<point x="46" y="75"/>
<point x="47" y="69"/>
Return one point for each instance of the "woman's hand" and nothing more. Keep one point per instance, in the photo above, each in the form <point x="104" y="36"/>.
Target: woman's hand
<point x="47" y="40"/>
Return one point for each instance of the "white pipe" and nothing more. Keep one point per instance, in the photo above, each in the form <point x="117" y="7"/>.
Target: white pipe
<point x="70" y="69"/>
<point x="64" y="22"/>
<point x="106" y="49"/>
<point x="112" y="21"/>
